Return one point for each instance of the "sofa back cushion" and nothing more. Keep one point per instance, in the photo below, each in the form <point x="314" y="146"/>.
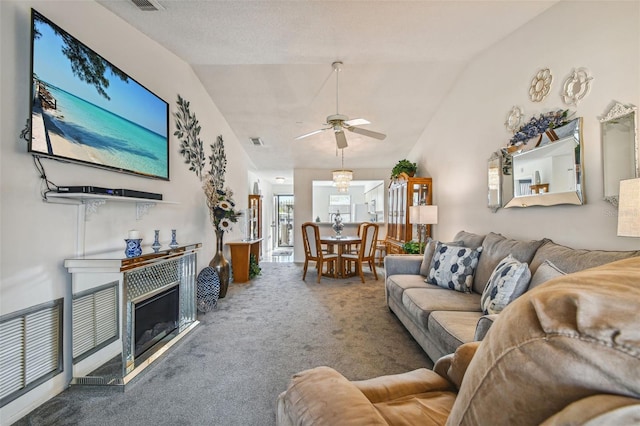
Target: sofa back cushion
<point x="469" y="239"/>
<point x="495" y="247"/>
<point x="571" y="260"/>
<point x="544" y="273"/>
<point x="574" y="337"/>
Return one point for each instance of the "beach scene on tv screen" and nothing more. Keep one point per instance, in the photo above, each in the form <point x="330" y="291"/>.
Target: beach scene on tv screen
<point x="86" y="109"/>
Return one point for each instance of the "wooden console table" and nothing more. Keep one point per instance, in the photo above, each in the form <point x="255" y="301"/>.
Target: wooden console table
<point x="541" y="188"/>
<point x="241" y="252"/>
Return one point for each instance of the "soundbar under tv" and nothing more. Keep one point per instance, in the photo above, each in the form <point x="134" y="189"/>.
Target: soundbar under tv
<point x="97" y="190"/>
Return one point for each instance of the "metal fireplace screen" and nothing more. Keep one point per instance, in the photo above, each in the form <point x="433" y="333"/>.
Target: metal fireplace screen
<point x="155" y="318"/>
<point x="145" y="282"/>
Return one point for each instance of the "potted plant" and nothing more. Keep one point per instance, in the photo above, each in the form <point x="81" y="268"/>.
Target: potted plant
<point x="254" y="268"/>
<point x="413" y="247"/>
<point x="404" y="166"/>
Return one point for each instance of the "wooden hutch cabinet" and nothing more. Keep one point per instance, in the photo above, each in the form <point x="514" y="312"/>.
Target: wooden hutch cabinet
<point x="403" y="193"/>
<point x="255" y="220"/>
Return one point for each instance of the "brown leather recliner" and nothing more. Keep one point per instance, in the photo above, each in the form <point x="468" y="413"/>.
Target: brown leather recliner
<point x="567" y="352"/>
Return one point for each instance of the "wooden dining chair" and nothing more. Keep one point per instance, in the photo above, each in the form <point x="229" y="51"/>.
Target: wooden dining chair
<point x="367" y="250"/>
<point x="381" y="252"/>
<point x="313" y="250"/>
<point x="353" y="248"/>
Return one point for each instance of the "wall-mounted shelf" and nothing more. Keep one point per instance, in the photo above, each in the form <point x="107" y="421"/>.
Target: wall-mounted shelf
<point x="93" y="201"/>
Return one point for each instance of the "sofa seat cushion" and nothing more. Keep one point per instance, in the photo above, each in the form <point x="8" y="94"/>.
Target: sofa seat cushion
<point x="419" y="303"/>
<point x="571" y="260"/>
<point x="397" y="284"/>
<point x="453" y="328"/>
<point x="416" y="397"/>
<point x="495" y="247"/>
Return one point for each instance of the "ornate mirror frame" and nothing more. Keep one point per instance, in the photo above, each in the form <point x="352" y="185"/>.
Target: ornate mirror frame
<point x="494" y="182"/>
<point x="619" y="139"/>
<point x="539" y="172"/>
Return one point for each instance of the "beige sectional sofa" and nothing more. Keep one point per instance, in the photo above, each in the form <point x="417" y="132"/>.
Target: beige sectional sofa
<point x="441" y="319"/>
<point x="564" y="353"/>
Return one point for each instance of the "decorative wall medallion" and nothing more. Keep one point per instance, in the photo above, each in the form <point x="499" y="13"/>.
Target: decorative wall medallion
<point x="540" y="85"/>
<point x="514" y="119"/>
<point x="576" y="86"/>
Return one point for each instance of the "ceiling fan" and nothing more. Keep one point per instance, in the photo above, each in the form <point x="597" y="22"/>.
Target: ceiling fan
<point x="339" y="122"/>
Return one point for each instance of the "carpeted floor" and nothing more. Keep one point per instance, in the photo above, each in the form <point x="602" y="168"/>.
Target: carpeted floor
<point x="232" y="367"/>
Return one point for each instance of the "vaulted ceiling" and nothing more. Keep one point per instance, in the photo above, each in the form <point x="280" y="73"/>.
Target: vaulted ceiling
<point x="267" y="66"/>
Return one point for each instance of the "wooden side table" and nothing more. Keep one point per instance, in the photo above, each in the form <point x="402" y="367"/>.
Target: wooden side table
<point x="241" y="252"/>
<point x="541" y="188"/>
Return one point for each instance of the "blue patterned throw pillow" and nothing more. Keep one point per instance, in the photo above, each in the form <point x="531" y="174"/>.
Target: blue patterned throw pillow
<point x="453" y="267"/>
<point x="509" y="280"/>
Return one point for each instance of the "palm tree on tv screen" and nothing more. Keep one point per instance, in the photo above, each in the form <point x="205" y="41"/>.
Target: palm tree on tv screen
<point x="86" y="64"/>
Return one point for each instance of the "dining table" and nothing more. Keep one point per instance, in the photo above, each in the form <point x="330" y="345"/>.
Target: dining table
<point x="343" y="244"/>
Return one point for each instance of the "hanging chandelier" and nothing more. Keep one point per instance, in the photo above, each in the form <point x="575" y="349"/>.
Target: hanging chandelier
<point x="342" y="178"/>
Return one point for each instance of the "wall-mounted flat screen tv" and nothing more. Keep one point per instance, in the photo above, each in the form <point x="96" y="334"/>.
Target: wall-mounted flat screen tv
<point x="86" y="110"/>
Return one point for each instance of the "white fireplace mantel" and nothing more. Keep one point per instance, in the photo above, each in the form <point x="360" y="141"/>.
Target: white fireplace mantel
<point x="104" y="287"/>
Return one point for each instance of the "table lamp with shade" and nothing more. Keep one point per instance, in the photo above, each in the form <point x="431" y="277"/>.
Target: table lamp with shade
<point x="629" y="208"/>
<point x="423" y="216"/>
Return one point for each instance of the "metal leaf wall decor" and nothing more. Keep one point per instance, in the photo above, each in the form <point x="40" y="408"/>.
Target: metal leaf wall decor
<point x="188" y="131"/>
<point x="218" y="161"/>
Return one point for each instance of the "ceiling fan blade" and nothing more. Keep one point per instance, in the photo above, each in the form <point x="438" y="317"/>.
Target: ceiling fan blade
<point x="357" y="122"/>
<point x="366" y="132"/>
<point x="341" y="139"/>
<point x="315" y="132"/>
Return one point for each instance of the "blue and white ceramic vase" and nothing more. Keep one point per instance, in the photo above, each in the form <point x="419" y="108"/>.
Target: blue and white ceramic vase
<point x="173" y="243"/>
<point x="133" y="247"/>
<point x="156" y="242"/>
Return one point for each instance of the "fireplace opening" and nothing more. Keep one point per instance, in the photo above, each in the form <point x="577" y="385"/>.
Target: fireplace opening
<point x="155" y="318"/>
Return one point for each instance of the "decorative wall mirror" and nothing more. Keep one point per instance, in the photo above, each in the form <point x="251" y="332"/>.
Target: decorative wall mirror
<point x="552" y="172"/>
<point x="618" y="129"/>
<point x="494" y="182"/>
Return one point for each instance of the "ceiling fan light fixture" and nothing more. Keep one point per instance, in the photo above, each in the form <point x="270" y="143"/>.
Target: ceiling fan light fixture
<point x="340" y="122"/>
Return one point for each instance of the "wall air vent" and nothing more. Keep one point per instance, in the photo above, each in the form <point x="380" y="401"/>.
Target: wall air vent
<point x="256" y="141"/>
<point x="31" y="349"/>
<point x="148" y="5"/>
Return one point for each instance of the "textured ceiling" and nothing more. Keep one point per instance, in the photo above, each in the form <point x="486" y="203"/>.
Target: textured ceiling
<point x="267" y="66"/>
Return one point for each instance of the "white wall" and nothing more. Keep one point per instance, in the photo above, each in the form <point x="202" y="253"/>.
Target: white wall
<point x="604" y="37"/>
<point x="36" y="237"/>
